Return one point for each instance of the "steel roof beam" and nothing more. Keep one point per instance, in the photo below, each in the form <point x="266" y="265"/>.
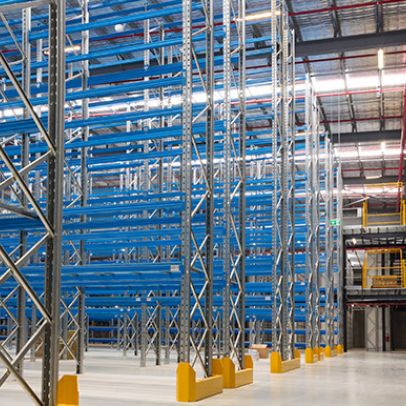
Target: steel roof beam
<point x="366" y="136"/>
<point x="350" y="43"/>
<point x="363" y="181"/>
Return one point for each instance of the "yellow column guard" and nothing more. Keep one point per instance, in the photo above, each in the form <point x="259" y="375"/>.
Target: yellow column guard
<point x="188" y="389"/>
<point x="278" y="366"/>
<point x="67" y="391"/>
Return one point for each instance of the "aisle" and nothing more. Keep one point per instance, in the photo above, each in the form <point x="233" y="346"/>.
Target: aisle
<point x="358" y="378"/>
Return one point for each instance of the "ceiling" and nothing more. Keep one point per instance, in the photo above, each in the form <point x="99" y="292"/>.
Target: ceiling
<point x="358" y="100"/>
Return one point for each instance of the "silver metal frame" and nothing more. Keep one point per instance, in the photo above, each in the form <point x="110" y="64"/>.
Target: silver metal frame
<point x="197" y="254"/>
<point x="312" y="217"/>
<point x="283" y="172"/>
<point x="339" y="257"/>
<point x="48" y="325"/>
<point x="329" y="244"/>
<point x="234" y="184"/>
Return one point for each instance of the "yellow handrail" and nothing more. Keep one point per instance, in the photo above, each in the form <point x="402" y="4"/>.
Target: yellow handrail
<point x="403" y="212"/>
<point x="404" y="273"/>
<point x="378" y="281"/>
<point x="364" y="272"/>
<point x="366" y="215"/>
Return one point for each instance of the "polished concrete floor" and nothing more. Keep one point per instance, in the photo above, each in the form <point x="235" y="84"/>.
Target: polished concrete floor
<point x="355" y="379"/>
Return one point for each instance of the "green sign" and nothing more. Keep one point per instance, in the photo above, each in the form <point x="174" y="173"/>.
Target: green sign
<point x="335" y="222"/>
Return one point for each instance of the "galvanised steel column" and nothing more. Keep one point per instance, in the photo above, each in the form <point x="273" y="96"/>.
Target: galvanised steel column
<point x="283" y="180"/>
<point x="316" y="221"/>
<point x="56" y="127"/>
<point x="84" y="177"/>
<point x="234" y="187"/>
<point x="197" y="250"/>
<point x="285" y="196"/>
<point x="329" y="248"/>
<point x="310" y="201"/>
<point x="134" y="326"/>
<point x="167" y="335"/>
<point x="145" y="169"/>
<point x="48" y="325"/>
<point x="339" y="258"/>
<point x="32" y="332"/>
<point x="228" y="326"/>
<point x="241" y="160"/>
<point x="278" y="329"/>
<point x="209" y="82"/>
<point x="51" y="220"/>
<point x="157" y="338"/>
<point x="144" y="338"/>
<point x="187" y="117"/>
<point x="125" y="334"/>
<point x="290" y="128"/>
<point x="313" y="223"/>
<point x="26" y="82"/>
<point x="81" y="331"/>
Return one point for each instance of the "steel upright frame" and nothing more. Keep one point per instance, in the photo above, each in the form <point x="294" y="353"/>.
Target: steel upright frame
<point x="51" y="219"/>
<point x="339" y="259"/>
<point x="283" y="169"/>
<point x="197" y="254"/>
<point x="329" y="245"/>
<point x="234" y="183"/>
<point x="312" y="217"/>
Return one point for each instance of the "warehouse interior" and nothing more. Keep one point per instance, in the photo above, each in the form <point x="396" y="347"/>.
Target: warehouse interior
<point x="202" y="202"/>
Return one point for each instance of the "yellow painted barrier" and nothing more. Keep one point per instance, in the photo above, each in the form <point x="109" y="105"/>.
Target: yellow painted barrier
<point x="234" y="379"/>
<point x="297" y="353"/>
<point x="188" y="389"/>
<point x="311" y="356"/>
<point x="339" y="349"/>
<point x="319" y="352"/>
<point x="67" y="391"/>
<point x="330" y="352"/>
<point x="278" y="366"/>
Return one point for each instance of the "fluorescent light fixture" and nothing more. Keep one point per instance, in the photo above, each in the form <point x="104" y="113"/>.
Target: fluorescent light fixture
<point x="119" y="27"/>
<point x="261" y="15"/>
<point x="394" y="79"/>
<point x="68" y="50"/>
<point x="381" y="59"/>
<point x="368" y="153"/>
<point x="357" y="82"/>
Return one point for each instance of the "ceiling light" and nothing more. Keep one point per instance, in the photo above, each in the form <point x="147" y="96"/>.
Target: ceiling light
<point x="381" y="59"/>
<point x="354" y="241"/>
<point x="119" y="27"/>
<point x="260" y="16"/>
<point x="68" y="50"/>
<point x="357" y="82"/>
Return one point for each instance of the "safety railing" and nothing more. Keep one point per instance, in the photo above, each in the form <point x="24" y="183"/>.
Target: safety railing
<point x="384" y="269"/>
<point x="386" y="218"/>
